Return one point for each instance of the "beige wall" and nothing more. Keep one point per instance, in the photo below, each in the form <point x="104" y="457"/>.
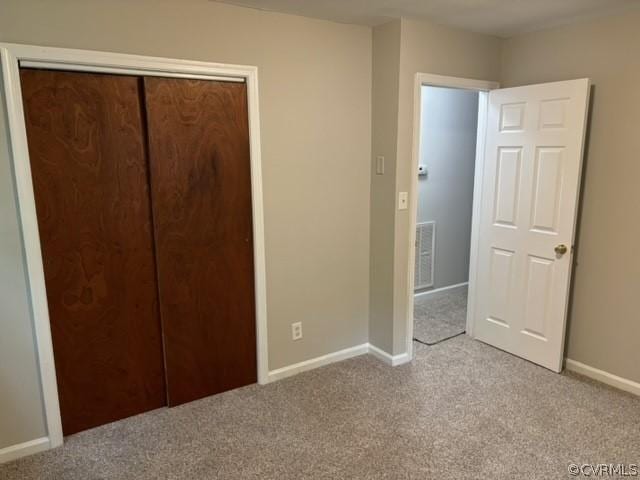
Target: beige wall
<point x="401" y="49"/>
<point x="344" y="277"/>
<point x="384" y="122"/>
<point x="315" y="100"/>
<point x="604" y="322"/>
<point x="427" y="48"/>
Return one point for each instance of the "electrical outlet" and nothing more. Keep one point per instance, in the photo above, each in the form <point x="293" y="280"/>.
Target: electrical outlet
<point x="296" y="331"/>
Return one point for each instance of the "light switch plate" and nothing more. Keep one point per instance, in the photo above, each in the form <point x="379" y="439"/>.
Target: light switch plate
<point x="403" y="200"/>
<point x="296" y="331"/>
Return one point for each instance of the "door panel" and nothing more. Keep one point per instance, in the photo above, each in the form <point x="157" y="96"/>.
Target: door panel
<point x="547" y="190"/>
<point x="501" y="278"/>
<point x="90" y="177"/>
<point x="201" y="195"/>
<point x="507" y="186"/>
<point x="537" y="295"/>
<point x="531" y="180"/>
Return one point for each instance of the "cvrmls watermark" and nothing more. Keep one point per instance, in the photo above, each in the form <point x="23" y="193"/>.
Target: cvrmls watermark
<point x="604" y="469"/>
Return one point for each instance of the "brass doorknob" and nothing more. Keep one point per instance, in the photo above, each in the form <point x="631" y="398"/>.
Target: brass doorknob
<point x="561" y="249"/>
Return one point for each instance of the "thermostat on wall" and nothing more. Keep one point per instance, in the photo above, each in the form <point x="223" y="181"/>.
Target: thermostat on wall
<point x="422" y="170"/>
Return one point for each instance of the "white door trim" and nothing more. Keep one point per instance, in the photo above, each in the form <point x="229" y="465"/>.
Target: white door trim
<point x="82" y="60"/>
<point x="482" y="86"/>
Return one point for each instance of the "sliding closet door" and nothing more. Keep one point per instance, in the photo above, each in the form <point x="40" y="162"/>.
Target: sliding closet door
<point x="87" y="150"/>
<point x="201" y="195"/>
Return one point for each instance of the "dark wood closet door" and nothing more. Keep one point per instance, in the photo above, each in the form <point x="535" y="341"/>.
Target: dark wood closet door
<point x="87" y="149"/>
<point x="201" y="195"/>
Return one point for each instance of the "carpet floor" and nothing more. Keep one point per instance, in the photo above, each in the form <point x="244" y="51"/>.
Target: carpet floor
<point x="460" y="410"/>
<point x="440" y="315"/>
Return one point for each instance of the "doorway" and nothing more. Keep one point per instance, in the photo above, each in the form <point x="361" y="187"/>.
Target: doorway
<point x="448" y="137"/>
<point x="447" y="164"/>
<point x="529" y="148"/>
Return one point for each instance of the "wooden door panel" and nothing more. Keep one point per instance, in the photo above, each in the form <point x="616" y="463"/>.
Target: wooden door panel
<point x="201" y="196"/>
<point x="87" y="149"/>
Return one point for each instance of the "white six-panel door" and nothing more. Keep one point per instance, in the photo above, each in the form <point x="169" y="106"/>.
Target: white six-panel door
<point x="531" y="180"/>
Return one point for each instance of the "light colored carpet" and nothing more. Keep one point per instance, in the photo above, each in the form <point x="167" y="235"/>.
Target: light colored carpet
<point x="440" y="315"/>
<point x="461" y="410"/>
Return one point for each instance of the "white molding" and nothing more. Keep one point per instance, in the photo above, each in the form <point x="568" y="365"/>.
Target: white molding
<point x="23" y="449"/>
<point x="393" y="360"/>
<point x="69" y="58"/>
<point x="450" y="82"/>
<point x="456" y="82"/>
<point x="604" y="377"/>
<point x="321" y="361"/>
<point x="317" y="362"/>
<point x="441" y="289"/>
<point x="83" y="60"/>
<point x="257" y="199"/>
<point x="121" y="71"/>
<point x="31" y="239"/>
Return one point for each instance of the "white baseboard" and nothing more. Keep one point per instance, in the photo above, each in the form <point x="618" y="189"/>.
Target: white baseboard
<point x="604" y="377"/>
<point x="296" y="368"/>
<point x="40" y="444"/>
<point x="290" y="370"/>
<point x="23" y="449"/>
<point x="441" y="289"/>
<point x="393" y="360"/>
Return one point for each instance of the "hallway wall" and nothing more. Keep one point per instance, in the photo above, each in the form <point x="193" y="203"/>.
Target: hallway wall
<point x="448" y="150"/>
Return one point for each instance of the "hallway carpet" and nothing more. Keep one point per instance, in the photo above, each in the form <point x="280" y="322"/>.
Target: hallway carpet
<point x="440" y="315"/>
<point x="460" y="410"/>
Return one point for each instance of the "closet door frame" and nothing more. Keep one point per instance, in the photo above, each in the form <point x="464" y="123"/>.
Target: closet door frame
<point x="13" y="56"/>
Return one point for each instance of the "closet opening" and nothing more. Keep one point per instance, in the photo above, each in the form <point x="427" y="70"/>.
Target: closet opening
<point x="143" y="198"/>
<point x="139" y="188"/>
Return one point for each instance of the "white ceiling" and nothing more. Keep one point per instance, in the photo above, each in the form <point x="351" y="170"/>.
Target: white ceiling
<point x="498" y="17"/>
